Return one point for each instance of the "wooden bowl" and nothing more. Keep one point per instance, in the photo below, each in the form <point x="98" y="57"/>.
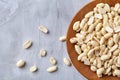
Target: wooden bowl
<point x="83" y="69"/>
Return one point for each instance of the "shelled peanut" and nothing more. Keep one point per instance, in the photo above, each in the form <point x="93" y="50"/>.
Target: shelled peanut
<point x="97" y="39"/>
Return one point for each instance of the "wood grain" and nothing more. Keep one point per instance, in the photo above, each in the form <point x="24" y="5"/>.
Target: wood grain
<point x="83" y="69"/>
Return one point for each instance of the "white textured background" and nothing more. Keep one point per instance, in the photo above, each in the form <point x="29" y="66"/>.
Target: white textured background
<point x="19" y="21"/>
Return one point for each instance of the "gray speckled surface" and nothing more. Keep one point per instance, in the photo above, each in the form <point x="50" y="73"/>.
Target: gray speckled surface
<point x="19" y="21"/>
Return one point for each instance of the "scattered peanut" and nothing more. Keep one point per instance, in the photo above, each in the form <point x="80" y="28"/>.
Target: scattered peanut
<point x="43" y="53"/>
<point x="52" y="69"/>
<point x="43" y="29"/>
<point x="67" y="62"/>
<point x="33" y="69"/>
<point x="20" y="63"/>
<point x="62" y="38"/>
<point x="27" y="44"/>
<point x="52" y="60"/>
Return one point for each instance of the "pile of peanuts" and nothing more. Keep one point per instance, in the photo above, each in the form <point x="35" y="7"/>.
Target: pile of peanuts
<point x="97" y="40"/>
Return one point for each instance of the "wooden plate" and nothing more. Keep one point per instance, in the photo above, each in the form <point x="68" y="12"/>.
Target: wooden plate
<point x="83" y="69"/>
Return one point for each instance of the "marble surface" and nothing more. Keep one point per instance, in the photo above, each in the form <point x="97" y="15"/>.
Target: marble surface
<point x="19" y="21"/>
